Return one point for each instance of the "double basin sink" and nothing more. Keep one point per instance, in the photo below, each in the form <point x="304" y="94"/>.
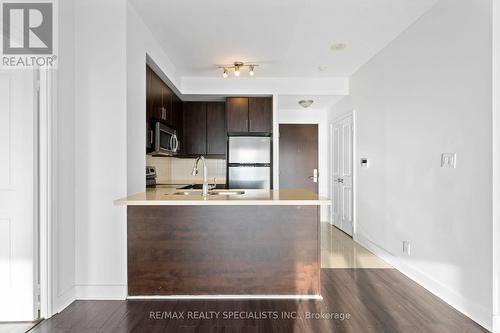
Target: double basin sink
<point x="212" y="192"/>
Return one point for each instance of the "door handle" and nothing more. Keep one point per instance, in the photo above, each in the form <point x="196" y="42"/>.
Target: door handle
<point x="315" y="176"/>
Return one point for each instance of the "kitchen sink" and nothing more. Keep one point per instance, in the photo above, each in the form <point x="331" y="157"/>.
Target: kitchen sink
<point x="216" y="192"/>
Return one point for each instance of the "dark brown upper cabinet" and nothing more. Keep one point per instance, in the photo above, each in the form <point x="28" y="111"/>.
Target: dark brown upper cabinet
<point x="204" y="129"/>
<point x="216" y="129"/>
<point x="260" y="114"/>
<point x="194" y="138"/>
<point x="237" y="114"/>
<point x="252" y="115"/>
<point x="157" y="109"/>
<point x="149" y="126"/>
<point x="162" y="104"/>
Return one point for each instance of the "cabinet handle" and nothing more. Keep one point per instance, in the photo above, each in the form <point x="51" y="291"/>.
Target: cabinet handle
<point x="246" y="124"/>
<point x="250" y="126"/>
<point x="151" y="136"/>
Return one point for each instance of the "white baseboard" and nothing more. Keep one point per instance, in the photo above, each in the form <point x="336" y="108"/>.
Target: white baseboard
<point x="101" y="292"/>
<point x="64" y="299"/>
<point x="496" y="324"/>
<point x="476" y="312"/>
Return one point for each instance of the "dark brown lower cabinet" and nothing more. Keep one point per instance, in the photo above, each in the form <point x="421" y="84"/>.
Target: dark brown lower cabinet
<point x="223" y="250"/>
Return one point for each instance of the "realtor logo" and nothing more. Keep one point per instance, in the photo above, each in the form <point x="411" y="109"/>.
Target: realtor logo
<point x="28" y="34"/>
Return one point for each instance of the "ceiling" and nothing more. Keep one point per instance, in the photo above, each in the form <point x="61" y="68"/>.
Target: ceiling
<point x="287" y="38"/>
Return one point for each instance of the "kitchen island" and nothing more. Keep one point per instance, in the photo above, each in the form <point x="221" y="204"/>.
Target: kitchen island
<point x="229" y="244"/>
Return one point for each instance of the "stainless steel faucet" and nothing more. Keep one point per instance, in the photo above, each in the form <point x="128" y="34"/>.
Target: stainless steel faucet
<point x="204" y="190"/>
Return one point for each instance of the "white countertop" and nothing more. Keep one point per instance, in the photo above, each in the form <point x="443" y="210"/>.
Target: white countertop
<point x="167" y="197"/>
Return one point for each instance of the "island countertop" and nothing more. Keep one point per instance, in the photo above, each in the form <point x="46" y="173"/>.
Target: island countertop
<point x="168" y="197"/>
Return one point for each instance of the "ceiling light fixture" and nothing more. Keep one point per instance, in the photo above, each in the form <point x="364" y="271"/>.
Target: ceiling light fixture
<point x="305" y="103"/>
<point x="338" y="47"/>
<point x="236" y="67"/>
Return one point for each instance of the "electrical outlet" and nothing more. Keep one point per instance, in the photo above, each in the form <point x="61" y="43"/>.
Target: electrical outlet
<point x="407" y="248"/>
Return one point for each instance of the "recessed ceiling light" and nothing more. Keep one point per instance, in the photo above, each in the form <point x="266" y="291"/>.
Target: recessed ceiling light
<point x="322" y="68"/>
<point x="338" y="47"/>
<point x="305" y="103"/>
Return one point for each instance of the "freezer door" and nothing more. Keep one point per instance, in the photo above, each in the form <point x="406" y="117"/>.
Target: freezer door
<point x="250" y="177"/>
<point x="249" y="149"/>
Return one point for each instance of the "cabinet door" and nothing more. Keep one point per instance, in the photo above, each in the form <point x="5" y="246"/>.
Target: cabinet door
<point x="167" y="95"/>
<point x="149" y="115"/>
<point x="260" y="114"/>
<point x="156" y="96"/>
<point x="176" y="114"/>
<point x="195" y="128"/>
<point x="237" y="114"/>
<point x="216" y="129"/>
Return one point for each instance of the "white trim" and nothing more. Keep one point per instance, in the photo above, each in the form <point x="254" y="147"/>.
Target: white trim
<point x="476" y="312"/>
<point x="63" y="300"/>
<point x="496" y="169"/>
<point x="101" y="291"/>
<point x="201" y="297"/>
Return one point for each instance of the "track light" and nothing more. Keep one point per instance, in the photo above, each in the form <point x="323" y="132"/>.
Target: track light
<point x="236" y="67"/>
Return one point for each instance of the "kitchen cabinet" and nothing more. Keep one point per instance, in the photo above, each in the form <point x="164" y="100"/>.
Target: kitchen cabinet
<point x="237" y="114"/>
<point x="149" y="125"/>
<point x="194" y="137"/>
<point x="157" y="110"/>
<point x="260" y="114"/>
<point x="162" y="104"/>
<point x="249" y="114"/>
<point x="216" y="129"/>
<point x="204" y="129"/>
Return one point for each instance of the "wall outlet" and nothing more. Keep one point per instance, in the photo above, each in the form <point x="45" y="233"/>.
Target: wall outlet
<point x="448" y="160"/>
<point x="407" y="248"/>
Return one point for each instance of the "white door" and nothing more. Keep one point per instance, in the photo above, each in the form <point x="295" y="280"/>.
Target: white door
<point x="17" y="195"/>
<point x="341" y="137"/>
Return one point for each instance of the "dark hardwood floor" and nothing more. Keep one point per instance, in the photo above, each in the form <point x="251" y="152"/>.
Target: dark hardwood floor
<point x="376" y="300"/>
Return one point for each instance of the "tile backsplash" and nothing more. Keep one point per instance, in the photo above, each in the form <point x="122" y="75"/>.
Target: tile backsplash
<point x="178" y="170"/>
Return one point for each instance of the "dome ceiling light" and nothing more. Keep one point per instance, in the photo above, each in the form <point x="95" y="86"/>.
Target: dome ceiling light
<point x="305" y="103"/>
<point x="236" y="67"/>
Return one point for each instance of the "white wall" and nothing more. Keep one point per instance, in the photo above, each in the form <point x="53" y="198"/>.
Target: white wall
<point x="100" y="148"/>
<point x="427" y="93"/>
<point x="309" y="116"/>
<point x="63" y="235"/>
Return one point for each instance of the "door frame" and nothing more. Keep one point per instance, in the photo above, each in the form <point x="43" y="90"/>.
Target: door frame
<point x="46" y="190"/>
<point x="352" y="114"/>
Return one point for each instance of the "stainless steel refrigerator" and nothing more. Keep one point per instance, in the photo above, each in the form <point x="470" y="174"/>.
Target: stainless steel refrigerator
<point x="249" y="162"/>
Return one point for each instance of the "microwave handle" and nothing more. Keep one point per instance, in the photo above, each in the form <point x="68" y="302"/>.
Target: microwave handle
<point x="176" y="143"/>
<point x="171" y="143"/>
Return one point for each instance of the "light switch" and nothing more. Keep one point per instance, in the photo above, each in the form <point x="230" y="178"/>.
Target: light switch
<point x="364" y="163"/>
<point x="449" y="160"/>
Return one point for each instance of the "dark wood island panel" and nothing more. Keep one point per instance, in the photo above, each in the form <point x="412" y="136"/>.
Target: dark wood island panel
<point x="223" y="250"/>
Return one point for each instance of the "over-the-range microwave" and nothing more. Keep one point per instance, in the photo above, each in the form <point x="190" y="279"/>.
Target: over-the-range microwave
<point x="165" y="140"/>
